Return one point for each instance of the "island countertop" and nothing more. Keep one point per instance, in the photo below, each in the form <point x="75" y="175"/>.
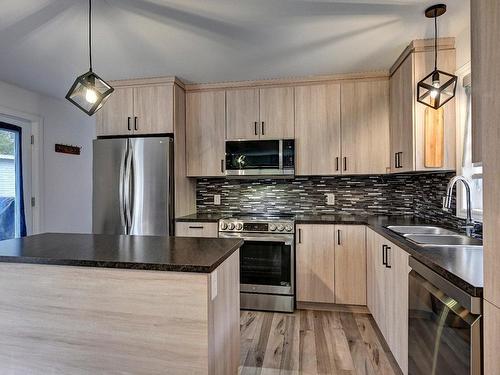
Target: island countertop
<point x="154" y="253"/>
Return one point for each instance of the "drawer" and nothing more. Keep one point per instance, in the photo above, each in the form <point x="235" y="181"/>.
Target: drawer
<point x="195" y="229"/>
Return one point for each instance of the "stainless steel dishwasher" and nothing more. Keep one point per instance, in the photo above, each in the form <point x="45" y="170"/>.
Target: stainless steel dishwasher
<point x="444" y="326"/>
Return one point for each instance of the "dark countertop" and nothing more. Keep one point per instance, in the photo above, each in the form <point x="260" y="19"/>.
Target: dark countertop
<point x="461" y="266"/>
<point x="201" y="218"/>
<point x="156" y="253"/>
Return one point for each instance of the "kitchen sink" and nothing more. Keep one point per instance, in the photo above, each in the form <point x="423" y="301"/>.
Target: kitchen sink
<point x="443" y="240"/>
<point x="420" y="229"/>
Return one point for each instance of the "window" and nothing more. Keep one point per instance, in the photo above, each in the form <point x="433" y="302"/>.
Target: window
<point x="12" y="219"/>
<point x="473" y="171"/>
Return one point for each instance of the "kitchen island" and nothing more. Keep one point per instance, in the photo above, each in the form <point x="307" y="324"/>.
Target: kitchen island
<point x="88" y="304"/>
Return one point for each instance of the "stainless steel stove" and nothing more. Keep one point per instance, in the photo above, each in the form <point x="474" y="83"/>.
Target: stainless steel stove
<point x="267" y="260"/>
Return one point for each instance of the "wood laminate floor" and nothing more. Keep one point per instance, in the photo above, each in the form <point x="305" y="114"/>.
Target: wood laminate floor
<point x="312" y="342"/>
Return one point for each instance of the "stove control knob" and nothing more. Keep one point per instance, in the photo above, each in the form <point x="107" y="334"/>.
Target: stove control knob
<point x="288" y="228"/>
<point x="272" y="227"/>
<point x="230" y="226"/>
<point x="239" y="226"/>
<point x="281" y="227"/>
<point x="223" y="225"/>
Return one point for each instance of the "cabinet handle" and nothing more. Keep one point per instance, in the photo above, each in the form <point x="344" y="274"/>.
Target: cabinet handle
<point x="384" y="262"/>
<point x="255" y="127"/>
<point x="396" y="159"/>
<point x="136" y="127"/>
<point x="338" y="237"/>
<point x="345" y="163"/>
<point x="337" y="163"/>
<point x="263" y="129"/>
<point x="222" y="165"/>
<point x="196" y="227"/>
<point x="128" y="124"/>
<point x="388" y="253"/>
<point x="300" y="235"/>
<point x="400" y="156"/>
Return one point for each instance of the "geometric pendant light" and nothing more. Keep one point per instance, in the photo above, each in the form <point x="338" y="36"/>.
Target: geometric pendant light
<point x="439" y="87"/>
<point x="89" y="92"/>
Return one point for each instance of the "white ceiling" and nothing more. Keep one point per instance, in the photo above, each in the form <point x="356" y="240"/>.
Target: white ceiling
<point x="43" y="43"/>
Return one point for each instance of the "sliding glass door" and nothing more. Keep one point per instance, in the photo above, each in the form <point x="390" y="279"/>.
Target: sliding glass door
<point x="15" y="179"/>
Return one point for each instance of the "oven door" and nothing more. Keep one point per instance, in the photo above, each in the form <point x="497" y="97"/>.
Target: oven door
<point x="267" y="263"/>
<point x="443" y="337"/>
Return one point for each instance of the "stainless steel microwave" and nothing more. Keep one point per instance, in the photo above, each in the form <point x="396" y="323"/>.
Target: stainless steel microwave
<point x="260" y="158"/>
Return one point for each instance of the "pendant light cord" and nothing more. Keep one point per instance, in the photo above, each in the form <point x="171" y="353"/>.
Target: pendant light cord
<point x="90" y="33"/>
<point x="435" y="39"/>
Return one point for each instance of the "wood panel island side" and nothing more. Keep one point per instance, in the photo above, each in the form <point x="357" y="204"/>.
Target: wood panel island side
<point x="103" y="304"/>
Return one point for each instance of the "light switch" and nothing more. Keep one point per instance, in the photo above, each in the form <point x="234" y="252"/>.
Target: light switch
<point x="217" y="199"/>
<point x="330" y="199"/>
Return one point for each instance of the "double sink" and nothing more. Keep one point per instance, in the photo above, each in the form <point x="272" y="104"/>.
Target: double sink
<point x="434" y="236"/>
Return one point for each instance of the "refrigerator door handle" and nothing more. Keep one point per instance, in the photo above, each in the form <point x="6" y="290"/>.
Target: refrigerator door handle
<point x="121" y="189"/>
<point x="128" y="162"/>
<point x="131" y="202"/>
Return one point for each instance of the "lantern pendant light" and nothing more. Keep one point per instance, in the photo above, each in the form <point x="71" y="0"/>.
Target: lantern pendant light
<point x="439" y="87"/>
<point x="89" y="92"/>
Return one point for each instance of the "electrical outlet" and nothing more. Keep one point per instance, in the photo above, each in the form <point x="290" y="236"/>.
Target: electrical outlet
<point x="217" y="199"/>
<point x="330" y="199"/>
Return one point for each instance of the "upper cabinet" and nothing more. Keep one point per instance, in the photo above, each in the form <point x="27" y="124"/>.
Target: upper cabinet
<point x="265" y="113"/>
<point x="422" y="139"/>
<point x="317" y="130"/>
<point x="205" y="125"/>
<point x="365" y="127"/>
<point x="137" y="109"/>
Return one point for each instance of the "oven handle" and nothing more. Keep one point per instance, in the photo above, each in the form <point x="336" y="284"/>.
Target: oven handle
<point x="286" y="241"/>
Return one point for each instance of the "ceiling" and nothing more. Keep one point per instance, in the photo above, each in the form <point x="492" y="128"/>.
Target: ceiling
<point x="43" y="43"/>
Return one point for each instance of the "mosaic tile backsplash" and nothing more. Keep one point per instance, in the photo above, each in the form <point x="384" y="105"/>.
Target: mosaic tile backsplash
<point x="418" y="195"/>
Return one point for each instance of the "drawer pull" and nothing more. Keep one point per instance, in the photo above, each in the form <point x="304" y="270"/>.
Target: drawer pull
<point x="196" y="227"/>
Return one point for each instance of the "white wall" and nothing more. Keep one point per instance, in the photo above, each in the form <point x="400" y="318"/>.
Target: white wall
<point x="66" y="180"/>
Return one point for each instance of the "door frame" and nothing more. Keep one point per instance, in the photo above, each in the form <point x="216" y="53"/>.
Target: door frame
<point x="9" y="114"/>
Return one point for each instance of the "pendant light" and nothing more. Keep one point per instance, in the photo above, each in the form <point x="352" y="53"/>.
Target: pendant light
<point x="439" y="87"/>
<point x="89" y="92"/>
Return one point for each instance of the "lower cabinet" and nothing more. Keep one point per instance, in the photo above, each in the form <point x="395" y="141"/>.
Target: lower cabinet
<point x="192" y="229"/>
<point x="387" y="293"/>
<point x="331" y="263"/>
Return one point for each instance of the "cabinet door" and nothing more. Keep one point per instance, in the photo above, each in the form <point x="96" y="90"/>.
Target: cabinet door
<point x="153" y="109"/>
<point x="116" y="116"/>
<point x="350" y="265"/>
<point x="365" y="127"/>
<point x="401" y="117"/>
<point x="317" y="130"/>
<point x="276" y="113"/>
<point x="205" y="124"/>
<point x="242" y="111"/>
<point x="315" y="254"/>
<point x="375" y="278"/>
<point x="396" y="313"/>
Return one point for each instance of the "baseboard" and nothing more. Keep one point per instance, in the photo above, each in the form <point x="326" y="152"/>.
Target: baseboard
<point x="356" y="309"/>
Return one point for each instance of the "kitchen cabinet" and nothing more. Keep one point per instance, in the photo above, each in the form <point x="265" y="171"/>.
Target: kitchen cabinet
<point x="387" y="280"/>
<point x="205" y="128"/>
<point x="315" y="263"/>
<point x="365" y="127"/>
<point x="194" y="229"/>
<point x="410" y="150"/>
<point x="331" y="264"/>
<point x="132" y="110"/>
<point x="317" y="130"/>
<point x="265" y="113"/>
<point x="350" y="265"/>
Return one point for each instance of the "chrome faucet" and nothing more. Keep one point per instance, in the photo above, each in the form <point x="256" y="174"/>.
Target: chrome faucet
<point x="469" y="223"/>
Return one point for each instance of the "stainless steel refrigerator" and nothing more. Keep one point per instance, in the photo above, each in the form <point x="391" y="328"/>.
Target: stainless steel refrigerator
<point x="133" y="186"/>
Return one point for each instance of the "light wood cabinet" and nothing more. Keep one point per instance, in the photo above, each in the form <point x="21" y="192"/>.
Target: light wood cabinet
<point x="387" y="294"/>
<point x="491" y="338"/>
<point x="317" y="130"/>
<point x="331" y="264"/>
<point x="350" y="265"/>
<point x="365" y="127"/>
<point x="205" y="127"/>
<point x="137" y="110"/>
<point x="407" y="116"/>
<point x="265" y="113"/>
<point x="194" y="229"/>
<point x="315" y="263"/>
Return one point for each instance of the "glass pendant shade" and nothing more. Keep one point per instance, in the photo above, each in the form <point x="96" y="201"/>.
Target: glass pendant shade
<point x="436" y="89"/>
<point x="89" y="92"/>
